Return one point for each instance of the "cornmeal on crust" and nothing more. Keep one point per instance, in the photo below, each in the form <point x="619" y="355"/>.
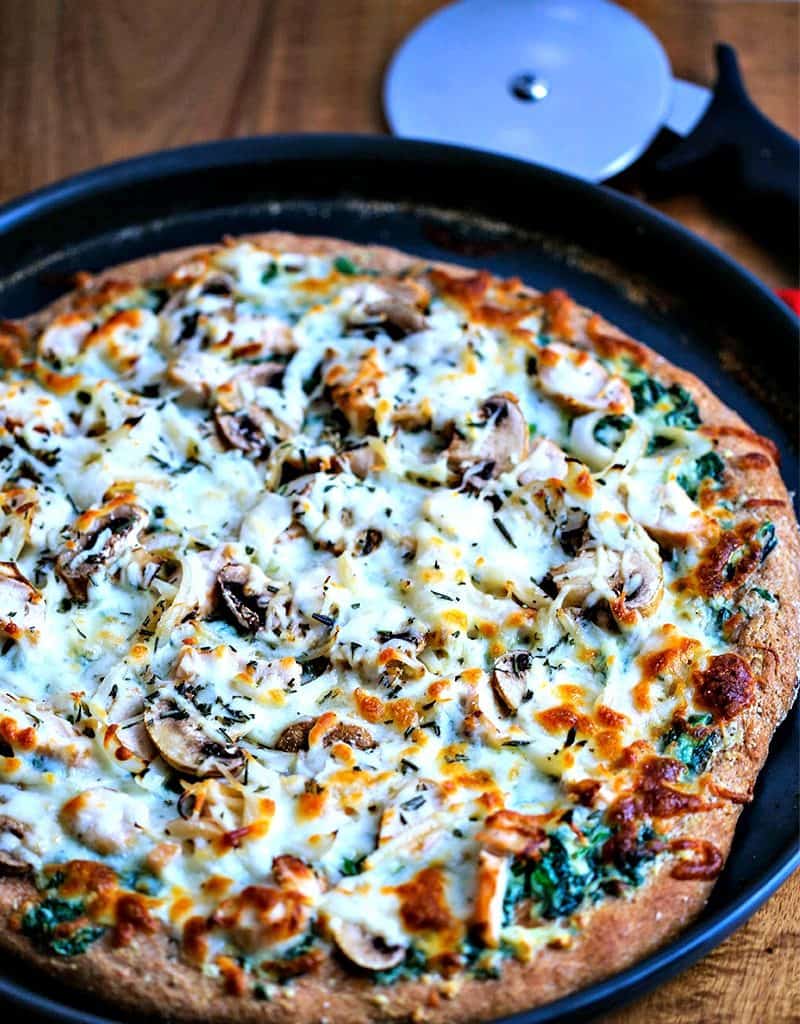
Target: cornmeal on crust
<point x="383" y="640"/>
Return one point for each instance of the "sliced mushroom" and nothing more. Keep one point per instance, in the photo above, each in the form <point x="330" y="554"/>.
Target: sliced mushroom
<point x="355" y="735"/>
<point x="501" y="442"/>
<point x="366" y="950"/>
<point x="579" y="382"/>
<point x="396" y="306"/>
<point x="294" y="738"/>
<point x="216" y="282"/>
<point x="490" y="890"/>
<point x="359" y="461"/>
<point x="184" y="744"/>
<point x="22" y="607"/>
<point x="367" y="541"/>
<point x="640" y="582"/>
<point x="98" y="539"/>
<point x="510" y="678"/>
<point x="668" y="514"/>
<point x="411" y="806"/>
<point x="631" y="581"/>
<point x="252" y="430"/>
<point x="11" y="862"/>
<point x="399" y="654"/>
<point x="573" y="530"/>
<point x="245" y="603"/>
<point x="589" y="573"/>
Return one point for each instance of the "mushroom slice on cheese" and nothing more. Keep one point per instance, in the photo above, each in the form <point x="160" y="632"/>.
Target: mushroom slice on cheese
<point x="22" y="607"/>
<point x="640" y="585"/>
<point x="360" y="460"/>
<point x="252" y="430"/>
<point x="395" y="306"/>
<point x="493" y="443"/>
<point x="510" y="678"/>
<point x="294" y="738"/>
<point x="241" y="421"/>
<point x="490" y="890"/>
<point x="351" y="734"/>
<point x="668" y="514"/>
<point x="580" y="383"/>
<point x="98" y="539"/>
<point x="216" y="282"/>
<point x="630" y="581"/>
<point x="14" y="862"/>
<point x="244" y="594"/>
<point x="363" y="948"/>
<point x="185" y="745"/>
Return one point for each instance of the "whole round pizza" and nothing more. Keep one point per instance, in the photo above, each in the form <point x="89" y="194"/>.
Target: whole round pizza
<point x="379" y="639"/>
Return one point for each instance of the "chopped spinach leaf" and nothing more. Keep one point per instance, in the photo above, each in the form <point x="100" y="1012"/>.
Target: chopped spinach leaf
<point x="684" y="412"/>
<point x="610" y="430"/>
<point x="352" y="865"/>
<point x="41" y="924"/>
<point x="765" y="535"/>
<point x="269" y="272"/>
<point x="299" y="948"/>
<point x="648" y="392"/>
<point x="570" y="872"/>
<point x="345" y="266"/>
<point x="657" y="443"/>
<point x="708" y="466"/>
<point x="692" y="742"/>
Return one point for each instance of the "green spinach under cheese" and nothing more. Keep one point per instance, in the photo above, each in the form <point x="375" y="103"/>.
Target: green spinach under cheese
<point x="354" y="611"/>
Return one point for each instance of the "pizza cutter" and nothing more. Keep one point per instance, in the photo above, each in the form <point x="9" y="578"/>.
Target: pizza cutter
<point x="584" y="87"/>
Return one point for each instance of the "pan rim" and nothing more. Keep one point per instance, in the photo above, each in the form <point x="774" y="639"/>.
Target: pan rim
<point x="709" y="930"/>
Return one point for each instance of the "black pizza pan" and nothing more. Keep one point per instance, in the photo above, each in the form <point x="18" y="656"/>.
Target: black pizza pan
<point x="643" y="272"/>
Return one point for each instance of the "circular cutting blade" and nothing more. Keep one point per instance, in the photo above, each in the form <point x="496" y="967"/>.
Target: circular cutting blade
<point x="579" y="85"/>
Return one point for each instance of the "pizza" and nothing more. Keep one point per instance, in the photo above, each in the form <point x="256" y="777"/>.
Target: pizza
<point x="380" y="640"/>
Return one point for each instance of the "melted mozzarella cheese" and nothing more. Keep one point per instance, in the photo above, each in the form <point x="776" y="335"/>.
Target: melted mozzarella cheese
<point x="370" y="607"/>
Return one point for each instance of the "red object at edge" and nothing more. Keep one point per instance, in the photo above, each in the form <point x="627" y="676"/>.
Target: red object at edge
<point x="791" y="296"/>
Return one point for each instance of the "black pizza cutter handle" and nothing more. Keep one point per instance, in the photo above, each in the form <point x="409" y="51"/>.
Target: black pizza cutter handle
<point x="740" y="160"/>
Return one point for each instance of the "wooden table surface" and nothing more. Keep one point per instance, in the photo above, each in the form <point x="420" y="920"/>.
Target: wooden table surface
<point x="83" y="82"/>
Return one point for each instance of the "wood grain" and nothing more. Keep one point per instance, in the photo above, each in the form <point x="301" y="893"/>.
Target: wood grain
<point x="84" y="82"/>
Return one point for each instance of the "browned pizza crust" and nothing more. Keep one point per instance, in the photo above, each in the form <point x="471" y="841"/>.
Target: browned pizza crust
<point x="149" y="978"/>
